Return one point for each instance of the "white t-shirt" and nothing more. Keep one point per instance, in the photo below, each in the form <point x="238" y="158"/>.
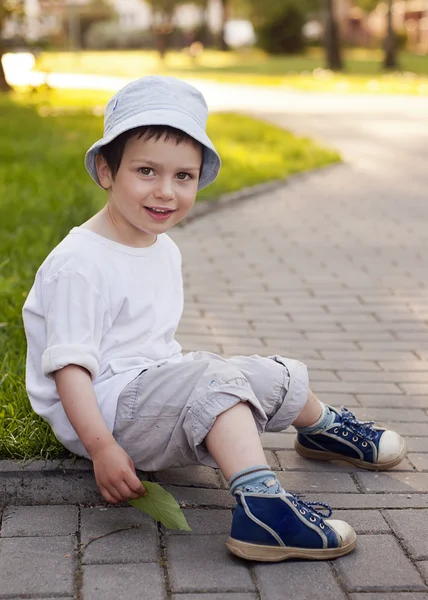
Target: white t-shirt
<point x="110" y="308"/>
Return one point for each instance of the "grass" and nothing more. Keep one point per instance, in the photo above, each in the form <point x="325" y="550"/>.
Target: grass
<point x="362" y="73"/>
<point x="45" y="191"/>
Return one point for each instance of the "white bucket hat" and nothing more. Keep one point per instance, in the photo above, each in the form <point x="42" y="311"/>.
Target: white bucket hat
<point x="157" y="100"/>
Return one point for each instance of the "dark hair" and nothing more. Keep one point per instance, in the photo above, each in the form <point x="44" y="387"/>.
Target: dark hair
<point x="113" y="151"/>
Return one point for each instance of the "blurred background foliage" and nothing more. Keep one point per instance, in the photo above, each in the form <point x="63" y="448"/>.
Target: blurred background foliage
<point x="278" y="27"/>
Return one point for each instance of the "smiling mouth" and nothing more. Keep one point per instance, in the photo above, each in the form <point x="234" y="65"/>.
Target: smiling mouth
<point x="161" y="211"/>
<point x="159" y="214"/>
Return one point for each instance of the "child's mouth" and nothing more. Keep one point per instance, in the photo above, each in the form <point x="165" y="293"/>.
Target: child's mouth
<point x="159" y="215"/>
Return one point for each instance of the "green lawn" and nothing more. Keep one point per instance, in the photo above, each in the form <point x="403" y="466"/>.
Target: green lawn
<point x="45" y="190"/>
<point x="362" y="73"/>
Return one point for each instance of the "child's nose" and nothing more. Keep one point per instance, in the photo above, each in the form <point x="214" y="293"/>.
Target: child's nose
<point x="165" y="189"/>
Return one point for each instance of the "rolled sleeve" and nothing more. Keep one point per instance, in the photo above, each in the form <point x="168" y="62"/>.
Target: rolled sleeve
<point x="58" y="357"/>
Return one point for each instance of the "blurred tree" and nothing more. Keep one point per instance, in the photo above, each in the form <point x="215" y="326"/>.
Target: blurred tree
<point x="390" y="59"/>
<point x="7" y="9"/>
<point x="78" y="19"/>
<point x="282" y="33"/>
<point x="331" y="38"/>
<point x="163" y="21"/>
<point x="226" y="7"/>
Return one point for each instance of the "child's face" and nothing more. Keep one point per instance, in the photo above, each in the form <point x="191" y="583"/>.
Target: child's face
<point x="160" y="175"/>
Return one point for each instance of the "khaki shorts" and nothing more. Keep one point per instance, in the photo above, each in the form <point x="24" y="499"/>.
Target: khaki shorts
<point x="164" y="414"/>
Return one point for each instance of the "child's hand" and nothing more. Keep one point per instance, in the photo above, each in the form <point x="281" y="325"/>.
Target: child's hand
<point x="115" y="474"/>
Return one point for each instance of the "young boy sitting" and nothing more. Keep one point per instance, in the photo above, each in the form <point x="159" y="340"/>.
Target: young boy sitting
<point x="104" y="369"/>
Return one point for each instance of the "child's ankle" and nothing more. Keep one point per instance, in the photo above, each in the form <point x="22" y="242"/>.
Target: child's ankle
<point x="258" y="480"/>
<point x="323" y="422"/>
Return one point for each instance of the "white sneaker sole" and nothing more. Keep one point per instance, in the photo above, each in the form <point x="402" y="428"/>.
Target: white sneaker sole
<point x="321" y="455"/>
<point x="261" y="553"/>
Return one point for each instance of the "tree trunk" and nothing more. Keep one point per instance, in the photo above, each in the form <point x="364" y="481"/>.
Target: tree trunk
<point x="161" y="44"/>
<point x="4" y="86"/>
<point x="331" y="40"/>
<point x="225" y="17"/>
<point x="390" y="59"/>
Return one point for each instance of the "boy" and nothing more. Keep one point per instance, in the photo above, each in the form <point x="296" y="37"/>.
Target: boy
<point x="103" y="367"/>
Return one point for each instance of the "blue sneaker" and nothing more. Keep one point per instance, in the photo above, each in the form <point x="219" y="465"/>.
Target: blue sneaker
<point x="361" y="443"/>
<point x="276" y="527"/>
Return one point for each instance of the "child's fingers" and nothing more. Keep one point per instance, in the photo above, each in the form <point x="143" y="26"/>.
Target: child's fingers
<point x="107" y="496"/>
<point x="126" y="493"/>
<point x="135" y="484"/>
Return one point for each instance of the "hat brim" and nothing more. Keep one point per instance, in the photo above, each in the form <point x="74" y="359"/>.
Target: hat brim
<point x="177" y="119"/>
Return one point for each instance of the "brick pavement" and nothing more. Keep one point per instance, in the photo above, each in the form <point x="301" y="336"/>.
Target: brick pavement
<point x="327" y="274"/>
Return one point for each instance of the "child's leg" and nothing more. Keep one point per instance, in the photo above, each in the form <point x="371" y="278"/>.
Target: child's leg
<point x="234" y="441"/>
<point x="322" y="431"/>
<point x="269" y="524"/>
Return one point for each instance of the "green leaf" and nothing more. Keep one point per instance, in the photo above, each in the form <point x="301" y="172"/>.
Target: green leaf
<point x="161" y="506"/>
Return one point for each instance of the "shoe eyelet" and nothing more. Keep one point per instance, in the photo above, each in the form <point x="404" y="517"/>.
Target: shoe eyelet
<point x="322" y="526"/>
<point x="313" y="519"/>
<point x="294" y="503"/>
<point x="355" y="439"/>
<point x="364" y="444"/>
<point x="345" y="434"/>
<point x="302" y="511"/>
<point x="336" y="430"/>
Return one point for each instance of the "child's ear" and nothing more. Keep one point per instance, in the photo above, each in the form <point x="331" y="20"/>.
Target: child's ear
<point x="103" y="172"/>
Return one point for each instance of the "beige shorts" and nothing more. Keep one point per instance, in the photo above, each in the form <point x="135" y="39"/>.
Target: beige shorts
<point x="164" y="414"/>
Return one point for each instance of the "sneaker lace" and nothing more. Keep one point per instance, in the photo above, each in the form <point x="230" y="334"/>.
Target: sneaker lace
<point x="364" y="430"/>
<point x="309" y="506"/>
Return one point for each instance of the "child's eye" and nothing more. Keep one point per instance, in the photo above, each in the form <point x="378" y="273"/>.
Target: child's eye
<point x="183" y="176"/>
<point x="145" y="170"/>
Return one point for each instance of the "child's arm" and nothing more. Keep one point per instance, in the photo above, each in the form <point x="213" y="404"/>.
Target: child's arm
<point x="114" y="470"/>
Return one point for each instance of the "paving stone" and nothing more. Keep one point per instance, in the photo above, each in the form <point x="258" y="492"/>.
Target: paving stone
<point x="277" y="441"/>
<point x="393" y="482"/>
<point x="203" y="563"/>
<point x="314" y="482"/>
<point x="415" y="388"/>
<point x="423" y="568"/>
<point x="414" y="365"/>
<point x="411" y="526"/>
<point x="198" y="497"/>
<point x="363" y="571"/>
<point x="110" y="582"/>
<point x="410" y="429"/>
<point x="390" y="596"/>
<point x="419" y="461"/>
<point x="393" y="401"/>
<point x="364" y="521"/>
<point x="219" y="596"/>
<point x="205" y="522"/>
<point x="297" y="580"/>
<point x="373" y="501"/>
<point x="291" y="461"/>
<point x="417" y="444"/>
<point x="139" y="544"/>
<point x="336" y="365"/>
<point x="357" y="387"/>
<point x="391" y="415"/>
<point x="199" y="476"/>
<point x="370" y="355"/>
<point x="133" y="546"/>
<point x="400" y="376"/>
<point x="39" y="565"/>
<point x="33" y="521"/>
<point x="339" y="400"/>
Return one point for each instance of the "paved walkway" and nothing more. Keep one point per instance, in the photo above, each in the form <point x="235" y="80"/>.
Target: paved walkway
<point x="331" y="269"/>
